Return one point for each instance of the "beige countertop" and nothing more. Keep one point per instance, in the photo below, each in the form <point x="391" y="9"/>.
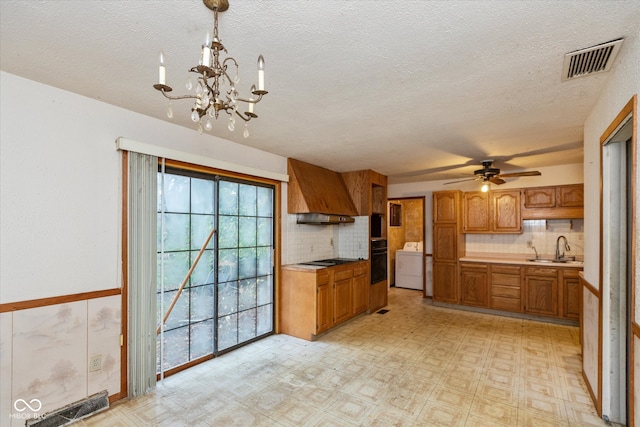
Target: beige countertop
<point x="519" y="259"/>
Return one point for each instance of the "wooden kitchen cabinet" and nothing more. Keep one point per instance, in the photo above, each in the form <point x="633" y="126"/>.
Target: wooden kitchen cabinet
<point x="448" y="245"/>
<point x="554" y="202"/>
<point x="474" y="289"/>
<point x="312" y="301"/>
<point x="446" y="206"/>
<point x="360" y="297"/>
<point x="541" y="291"/>
<point x="324" y="307"/>
<point x="505" y="211"/>
<point x="445" y="283"/>
<point x="571" y="294"/>
<point x="492" y="212"/>
<point x="475" y="212"/>
<point x="505" y="287"/>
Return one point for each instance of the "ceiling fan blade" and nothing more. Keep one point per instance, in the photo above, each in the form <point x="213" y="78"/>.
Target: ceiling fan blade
<point x="497" y="180"/>
<point x="462" y="180"/>
<point x="513" y="175"/>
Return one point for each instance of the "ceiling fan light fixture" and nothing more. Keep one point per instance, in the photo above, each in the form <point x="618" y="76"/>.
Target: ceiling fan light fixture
<point x="485" y="187"/>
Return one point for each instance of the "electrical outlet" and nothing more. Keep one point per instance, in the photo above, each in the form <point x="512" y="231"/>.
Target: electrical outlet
<point x="95" y="363"/>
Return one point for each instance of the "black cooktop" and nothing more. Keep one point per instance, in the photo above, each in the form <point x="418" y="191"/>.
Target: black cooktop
<point x="330" y="262"/>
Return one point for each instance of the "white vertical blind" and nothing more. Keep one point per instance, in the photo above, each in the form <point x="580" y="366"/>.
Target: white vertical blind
<point x="142" y="235"/>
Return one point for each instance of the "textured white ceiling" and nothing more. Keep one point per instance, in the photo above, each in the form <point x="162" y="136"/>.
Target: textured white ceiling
<point x="410" y="88"/>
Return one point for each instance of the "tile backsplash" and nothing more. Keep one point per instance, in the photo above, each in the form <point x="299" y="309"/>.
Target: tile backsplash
<point x="314" y="242"/>
<point x="542" y="234"/>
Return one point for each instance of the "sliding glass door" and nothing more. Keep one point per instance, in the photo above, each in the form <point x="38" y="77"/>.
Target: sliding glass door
<point x="228" y="299"/>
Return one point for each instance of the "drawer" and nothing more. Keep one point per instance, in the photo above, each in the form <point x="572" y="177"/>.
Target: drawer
<point x="505" y="304"/>
<point x="360" y="271"/>
<point x="505" y="279"/>
<point x="541" y="271"/>
<point x="322" y="278"/>
<point x="505" y="291"/>
<point x="473" y="266"/>
<point x="570" y="272"/>
<point x="344" y="274"/>
<point x="505" y="269"/>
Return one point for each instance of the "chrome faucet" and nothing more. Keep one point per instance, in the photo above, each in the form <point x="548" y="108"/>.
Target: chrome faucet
<point x="566" y="247"/>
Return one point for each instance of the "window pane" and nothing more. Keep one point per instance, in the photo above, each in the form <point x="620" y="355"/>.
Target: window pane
<point x="176" y="266"/>
<point x="202" y="201"/>
<point x="201" y="226"/>
<point x="264" y="261"/>
<point x="201" y="339"/>
<point x="176" y="232"/>
<point x="228" y="198"/>
<point x="176" y="194"/>
<point x="204" y="271"/>
<point x="227" y="331"/>
<point x="248" y="294"/>
<point x="265" y="232"/>
<point x="248" y="198"/>
<point x="176" y="347"/>
<point x="246" y="325"/>
<point x="179" y="316"/>
<point x="265" y="290"/>
<point x="265" y="319"/>
<point x="228" y="231"/>
<point x="228" y="265"/>
<point x="202" y="303"/>
<point x="247" y="267"/>
<point x="265" y="202"/>
<point x="247" y="232"/>
<point x="227" y="298"/>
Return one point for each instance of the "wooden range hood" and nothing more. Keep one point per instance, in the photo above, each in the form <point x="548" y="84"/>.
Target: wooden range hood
<point x="314" y="189"/>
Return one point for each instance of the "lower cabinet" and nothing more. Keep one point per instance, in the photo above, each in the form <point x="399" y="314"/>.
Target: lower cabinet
<point x="445" y="282"/>
<point x="474" y="288"/>
<point x="541" y="295"/>
<point x="505" y="287"/>
<point x="549" y="291"/>
<point x="313" y="301"/>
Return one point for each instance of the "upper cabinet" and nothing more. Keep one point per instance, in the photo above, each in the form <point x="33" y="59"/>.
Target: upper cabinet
<point x="368" y="190"/>
<point x="317" y="190"/>
<point x="493" y="212"/>
<point x="563" y="201"/>
<point x="445" y="206"/>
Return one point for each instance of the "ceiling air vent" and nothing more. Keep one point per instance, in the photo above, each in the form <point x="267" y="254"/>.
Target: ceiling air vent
<point x="594" y="59"/>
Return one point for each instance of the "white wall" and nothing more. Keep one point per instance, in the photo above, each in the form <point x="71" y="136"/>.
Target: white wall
<point x="60" y="181"/>
<point x="623" y="84"/>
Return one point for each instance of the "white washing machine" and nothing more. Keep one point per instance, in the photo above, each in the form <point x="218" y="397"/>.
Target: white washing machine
<point x="409" y="266"/>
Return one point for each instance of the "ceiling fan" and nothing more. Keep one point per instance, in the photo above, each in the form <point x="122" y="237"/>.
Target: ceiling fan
<point x="493" y="175"/>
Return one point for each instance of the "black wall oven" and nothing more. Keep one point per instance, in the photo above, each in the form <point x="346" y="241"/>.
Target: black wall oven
<point x="378" y="260"/>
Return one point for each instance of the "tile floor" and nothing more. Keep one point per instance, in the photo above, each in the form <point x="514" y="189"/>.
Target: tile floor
<point x="417" y="365"/>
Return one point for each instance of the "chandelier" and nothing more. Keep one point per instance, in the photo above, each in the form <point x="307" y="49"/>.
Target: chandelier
<point x="215" y="89"/>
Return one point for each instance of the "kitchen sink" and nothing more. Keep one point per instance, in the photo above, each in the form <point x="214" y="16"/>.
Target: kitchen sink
<point x="561" y="261"/>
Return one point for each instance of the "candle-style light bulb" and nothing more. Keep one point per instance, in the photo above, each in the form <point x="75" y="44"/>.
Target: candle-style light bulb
<point x="162" y="73"/>
<point x="253" y="88"/>
<point x="260" y="73"/>
<point x="206" y="51"/>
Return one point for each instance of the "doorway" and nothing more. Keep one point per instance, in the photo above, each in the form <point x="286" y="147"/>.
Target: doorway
<point x="406" y="227"/>
<point x="617" y="268"/>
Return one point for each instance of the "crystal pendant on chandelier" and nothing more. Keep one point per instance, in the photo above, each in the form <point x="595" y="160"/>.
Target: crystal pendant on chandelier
<point x="215" y="82"/>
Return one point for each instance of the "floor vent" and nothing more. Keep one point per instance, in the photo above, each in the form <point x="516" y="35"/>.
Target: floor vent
<point x="73" y="412"/>
<point x="383" y="311"/>
<point x="594" y="59"/>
